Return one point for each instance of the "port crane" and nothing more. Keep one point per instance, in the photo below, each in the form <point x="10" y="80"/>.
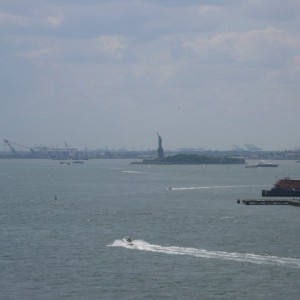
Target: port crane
<point x="252" y="147"/>
<point x="11" y="144"/>
<point x="69" y="150"/>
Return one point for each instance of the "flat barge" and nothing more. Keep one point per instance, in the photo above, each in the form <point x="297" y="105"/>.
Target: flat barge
<point x="271" y="202"/>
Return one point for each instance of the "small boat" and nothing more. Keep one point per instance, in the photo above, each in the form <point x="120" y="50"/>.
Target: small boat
<point x="127" y="240"/>
<point x="77" y="161"/>
<point x="251" y="166"/>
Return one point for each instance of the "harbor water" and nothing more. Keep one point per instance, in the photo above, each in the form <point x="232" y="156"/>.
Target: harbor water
<point x="61" y="230"/>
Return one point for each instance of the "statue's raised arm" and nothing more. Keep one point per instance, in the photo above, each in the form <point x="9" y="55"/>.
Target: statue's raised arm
<point x="159" y="140"/>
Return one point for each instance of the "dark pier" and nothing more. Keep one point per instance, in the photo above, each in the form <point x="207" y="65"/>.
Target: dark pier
<point x="271" y="202"/>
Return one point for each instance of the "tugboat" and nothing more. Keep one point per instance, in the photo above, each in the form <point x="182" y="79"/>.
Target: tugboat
<point x="285" y="187"/>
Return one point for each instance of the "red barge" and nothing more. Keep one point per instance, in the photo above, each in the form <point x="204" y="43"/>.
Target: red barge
<point x="285" y="187"/>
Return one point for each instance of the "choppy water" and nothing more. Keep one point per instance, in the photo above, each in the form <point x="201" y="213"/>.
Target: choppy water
<point x="191" y="239"/>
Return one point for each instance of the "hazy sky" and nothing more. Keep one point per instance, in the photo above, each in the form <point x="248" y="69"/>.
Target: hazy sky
<point x="98" y="73"/>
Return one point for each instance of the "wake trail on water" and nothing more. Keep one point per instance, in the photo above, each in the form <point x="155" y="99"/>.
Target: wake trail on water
<point x="134" y="172"/>
<point x="202" y="253"/>
<point x="211" y="187"/>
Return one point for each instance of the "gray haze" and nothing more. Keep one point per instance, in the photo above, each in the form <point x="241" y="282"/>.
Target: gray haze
<point x="112" y="73"/>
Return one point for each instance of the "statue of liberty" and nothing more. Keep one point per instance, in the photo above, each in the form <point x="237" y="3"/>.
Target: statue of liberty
<point x="160" y="150"/>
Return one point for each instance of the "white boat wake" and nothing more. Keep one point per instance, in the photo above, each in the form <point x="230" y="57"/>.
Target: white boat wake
<point x="212" y="187"/>
<point x="202" y="253"/>
<point x="134" y="172"/>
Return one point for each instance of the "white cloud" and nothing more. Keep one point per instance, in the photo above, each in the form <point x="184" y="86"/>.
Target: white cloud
<point x="208" y="9"/>
<point x="284" y="11"/>
<point x="204" y="63"/>
<point x="269" y="46"/>
<point x="41" y="52"/>
<point x="7" y="18"/>
<point x="260" y="47"/>
<point x="55" y="19"/>
<point x="112" y="46"/>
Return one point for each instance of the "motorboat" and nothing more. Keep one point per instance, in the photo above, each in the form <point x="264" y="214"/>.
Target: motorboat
<point x="127" y="240"/>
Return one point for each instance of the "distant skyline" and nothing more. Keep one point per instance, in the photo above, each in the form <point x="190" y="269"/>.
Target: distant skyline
<point x="113" y="73"/>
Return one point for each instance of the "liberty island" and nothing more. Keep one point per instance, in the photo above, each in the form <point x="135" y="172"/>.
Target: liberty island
<point x="189" y="159"/>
